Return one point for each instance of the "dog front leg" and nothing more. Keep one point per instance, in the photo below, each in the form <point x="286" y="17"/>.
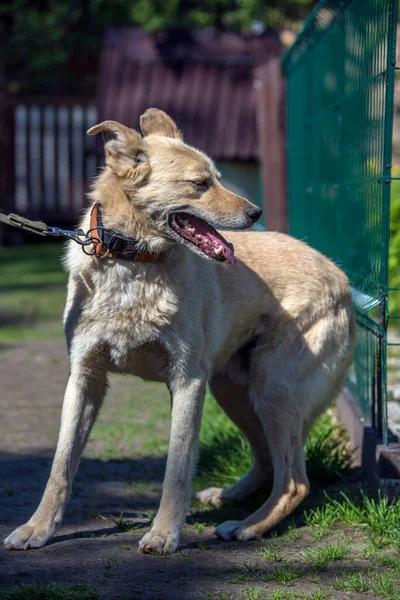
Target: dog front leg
<point x="187" y="407"/>
<point x="82" y="400"/>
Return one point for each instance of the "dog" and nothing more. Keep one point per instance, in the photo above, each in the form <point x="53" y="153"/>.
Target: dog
<point x="263" y="318"/>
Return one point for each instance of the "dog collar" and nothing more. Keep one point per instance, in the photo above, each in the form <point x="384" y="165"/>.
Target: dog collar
<point x="109" y="244"/>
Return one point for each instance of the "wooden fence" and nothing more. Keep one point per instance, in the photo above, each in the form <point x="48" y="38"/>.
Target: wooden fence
<point x="47" y="160"/>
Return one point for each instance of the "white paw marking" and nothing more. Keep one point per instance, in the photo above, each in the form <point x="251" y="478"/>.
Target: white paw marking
<point x="28" y="536"/>
<point x="211" y="496"/>
<point x="226" y="530"/>
<point x="235" y="530"/>
<point x="156" y="542"/>
<point x="244" y="534"/>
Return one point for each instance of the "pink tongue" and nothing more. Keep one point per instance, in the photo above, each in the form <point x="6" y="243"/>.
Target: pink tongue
<point x="227" y="248"/>
<point x="216" y="240"/>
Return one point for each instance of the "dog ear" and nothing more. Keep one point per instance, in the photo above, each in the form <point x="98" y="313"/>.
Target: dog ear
<point x="125" y="149"/>
<point x="114" y="128"/>
<point x="157" y="122"/>
<point x="121" y="137"/>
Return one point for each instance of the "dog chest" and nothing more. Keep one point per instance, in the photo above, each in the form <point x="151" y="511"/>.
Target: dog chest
<point x="149" y="361"/>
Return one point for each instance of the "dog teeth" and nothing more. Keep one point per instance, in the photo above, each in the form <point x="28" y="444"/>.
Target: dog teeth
<point x="190" y="229"/>
<point x="218" y="250"/>
<point x="186" y="223"/>
<point x="199" y="236"/>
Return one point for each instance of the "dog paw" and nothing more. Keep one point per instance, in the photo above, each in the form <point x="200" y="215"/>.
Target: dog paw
<point x="28" y="536"/>
<point x="235" y="530"/>
<point x="211" y="496"/>
<point x="156" y="542"/>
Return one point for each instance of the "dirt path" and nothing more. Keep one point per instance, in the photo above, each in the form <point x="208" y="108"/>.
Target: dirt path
<point x="90" y="547"/>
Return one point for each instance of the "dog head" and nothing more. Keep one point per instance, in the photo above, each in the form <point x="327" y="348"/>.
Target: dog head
<point x="171" y="191"/>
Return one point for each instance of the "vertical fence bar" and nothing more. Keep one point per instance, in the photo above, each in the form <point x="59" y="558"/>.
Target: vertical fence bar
<point x="70" y="145"/>
<point x="28" y="157"/>
<point x="7" y="157"/>
<point x="386" y="178"/>
<point x="271" y="124"/>
<point x="7" y="152"/>
<point x="41" y="131"/>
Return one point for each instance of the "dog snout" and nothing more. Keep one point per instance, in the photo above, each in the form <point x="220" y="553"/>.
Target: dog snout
<point x="253" y="214"/>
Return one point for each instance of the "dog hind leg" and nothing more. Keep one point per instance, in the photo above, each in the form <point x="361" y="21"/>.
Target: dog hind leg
<point x="234" y="400"/>
<point x="290" y="485"/>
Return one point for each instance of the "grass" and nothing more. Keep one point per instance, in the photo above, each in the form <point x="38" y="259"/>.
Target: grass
<point x="382" y="584"/>
<point x="281" y="595"/>
<point x="135" y="426"/>
<point x="319" y="559"/>
<point x="379" y="517"/>
<point x="270" y="553"/>
<point x="33" y="591"/>
<point x="282" y="575"/>
<point x="124" y="524"/>
<point x="32" y="292"/>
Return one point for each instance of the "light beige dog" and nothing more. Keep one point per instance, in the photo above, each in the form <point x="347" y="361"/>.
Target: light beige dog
<point x="273" y="333"/>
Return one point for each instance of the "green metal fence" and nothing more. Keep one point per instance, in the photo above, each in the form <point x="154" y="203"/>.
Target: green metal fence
<point x="340" y="77"/>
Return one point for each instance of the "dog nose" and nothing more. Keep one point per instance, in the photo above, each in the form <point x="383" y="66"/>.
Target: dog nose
<point x="254" y="214"/>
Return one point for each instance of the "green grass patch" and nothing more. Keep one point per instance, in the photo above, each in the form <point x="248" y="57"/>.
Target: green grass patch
<point x="281" y="595"/>
<point x="318" y="559"/>
<point x="283" y="575"/>
<point x="270" y="553"/>
<point x="32" y="292"/>
<point x="138" y="425"/>
<point x="382" y="584"/>
<point x="319" y="594"/>
<point x="33" y="591"/>
<point x="224" y="451"/>
<point x="378" y="517"/>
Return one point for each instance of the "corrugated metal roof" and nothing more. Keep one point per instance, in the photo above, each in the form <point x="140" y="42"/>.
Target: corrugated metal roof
<point x="202" y="79"/>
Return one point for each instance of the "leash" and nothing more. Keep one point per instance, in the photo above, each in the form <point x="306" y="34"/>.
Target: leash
<point x="105" y="243"/>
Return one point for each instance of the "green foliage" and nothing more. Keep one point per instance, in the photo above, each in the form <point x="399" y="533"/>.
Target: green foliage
<point x="47" y="43"/>
<point x="221" y="14"/>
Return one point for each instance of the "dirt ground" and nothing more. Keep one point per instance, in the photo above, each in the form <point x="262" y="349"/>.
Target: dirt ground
<point x="90" y="547"/>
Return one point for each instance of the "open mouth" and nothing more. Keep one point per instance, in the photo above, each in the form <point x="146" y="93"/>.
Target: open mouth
<point x="201" y="234"/>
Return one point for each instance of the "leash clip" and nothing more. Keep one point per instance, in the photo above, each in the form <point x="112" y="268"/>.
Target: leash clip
<point x="77" y="235"/>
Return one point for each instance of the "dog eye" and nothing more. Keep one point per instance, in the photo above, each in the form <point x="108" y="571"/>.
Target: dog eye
<point x="203" y="183"/>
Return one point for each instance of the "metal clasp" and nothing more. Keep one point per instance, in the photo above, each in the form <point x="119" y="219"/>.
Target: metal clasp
<point x="78" y="235"/>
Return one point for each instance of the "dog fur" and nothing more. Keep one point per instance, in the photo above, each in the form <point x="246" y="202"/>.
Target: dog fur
<point x="273" y="334"/>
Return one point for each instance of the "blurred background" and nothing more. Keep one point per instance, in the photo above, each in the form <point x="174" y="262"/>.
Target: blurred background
<point x="66" y="65"/>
